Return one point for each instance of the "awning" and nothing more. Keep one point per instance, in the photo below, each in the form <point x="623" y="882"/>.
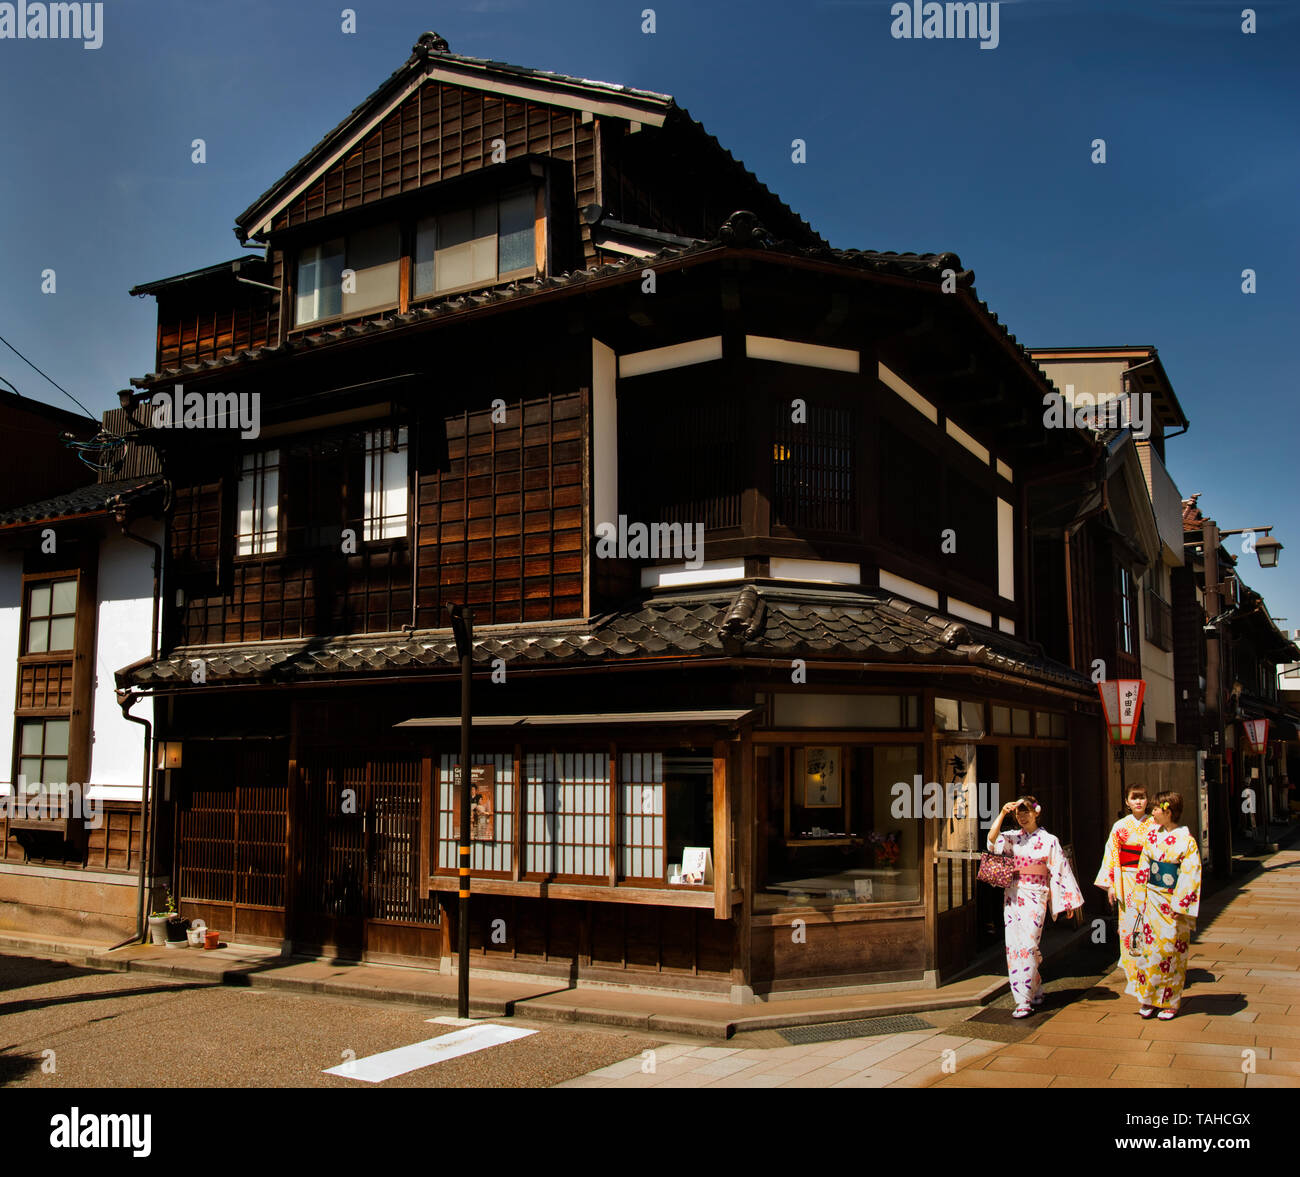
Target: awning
<point x="591" y="719"/>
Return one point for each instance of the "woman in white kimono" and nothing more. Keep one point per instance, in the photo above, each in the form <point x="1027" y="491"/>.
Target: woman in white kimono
<point x="1043" y="878"/>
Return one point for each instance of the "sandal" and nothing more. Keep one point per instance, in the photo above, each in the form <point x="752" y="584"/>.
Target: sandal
<point x="1165" y="1014"/>
<point x="1146" y="1011"/>
<point x="1022" y="1011"/>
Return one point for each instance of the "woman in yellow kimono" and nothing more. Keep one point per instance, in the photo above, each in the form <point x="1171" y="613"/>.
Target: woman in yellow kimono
<point x="1170" y="872"/>
<point x="1119" y="868"/>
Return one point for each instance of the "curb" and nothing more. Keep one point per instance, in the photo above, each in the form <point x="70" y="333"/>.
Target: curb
<point x="645" y="1021"/>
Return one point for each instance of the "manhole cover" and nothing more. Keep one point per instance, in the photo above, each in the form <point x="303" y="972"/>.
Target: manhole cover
<point x="861" y="1028"/>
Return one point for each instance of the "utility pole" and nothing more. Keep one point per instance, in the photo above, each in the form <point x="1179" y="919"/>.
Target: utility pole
<point x="462" y="625"/>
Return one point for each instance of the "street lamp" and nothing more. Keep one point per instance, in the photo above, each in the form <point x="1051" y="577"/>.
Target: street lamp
<point x="1266" y="548"/>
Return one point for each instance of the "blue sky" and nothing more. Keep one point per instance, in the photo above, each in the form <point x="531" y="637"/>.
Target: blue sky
<point x="912" y="145"/>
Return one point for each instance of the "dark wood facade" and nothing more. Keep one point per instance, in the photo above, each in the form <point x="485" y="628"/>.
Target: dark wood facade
<point x="834" y="423"/>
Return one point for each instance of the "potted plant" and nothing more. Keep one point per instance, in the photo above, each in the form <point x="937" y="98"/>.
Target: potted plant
<point x="167" y="926"/>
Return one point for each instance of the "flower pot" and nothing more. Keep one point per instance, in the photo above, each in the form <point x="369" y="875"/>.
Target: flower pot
<point x="212" y="939"/>
<point x="157" y="929"/>
<point x="176" y="929"/>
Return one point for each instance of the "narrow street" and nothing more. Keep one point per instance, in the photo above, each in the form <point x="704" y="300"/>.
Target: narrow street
<point x="65" y="1026"/>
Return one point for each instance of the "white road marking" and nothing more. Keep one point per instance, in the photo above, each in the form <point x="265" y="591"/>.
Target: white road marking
<point x="391" y="1063"/>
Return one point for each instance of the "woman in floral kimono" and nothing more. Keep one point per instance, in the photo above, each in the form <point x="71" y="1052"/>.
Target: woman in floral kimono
<point x="1043" y="877"/>
<point x="1119" y="868"/>
<point x="1170" y="872"/>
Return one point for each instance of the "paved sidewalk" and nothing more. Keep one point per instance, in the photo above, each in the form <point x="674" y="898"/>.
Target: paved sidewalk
<point x="1239" y="1025"/>
<point x="545" y="1000"/>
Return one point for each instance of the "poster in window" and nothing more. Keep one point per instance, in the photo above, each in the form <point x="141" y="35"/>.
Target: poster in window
<point x="821" y="778"/>
<point x="482" y="803"/>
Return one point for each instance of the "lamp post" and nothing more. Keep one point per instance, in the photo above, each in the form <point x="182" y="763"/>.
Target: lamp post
<point x="1266" y="549"/>
<point x="462" y="626"/>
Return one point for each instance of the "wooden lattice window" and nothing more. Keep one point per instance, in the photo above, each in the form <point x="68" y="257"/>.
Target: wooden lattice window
<point x="814" y="470"/>
<point x="567" y="823"/>
<point x="641" y="837"/>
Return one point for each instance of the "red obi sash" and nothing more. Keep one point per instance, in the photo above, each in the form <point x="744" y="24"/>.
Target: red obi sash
<point x="1129" y="856"/>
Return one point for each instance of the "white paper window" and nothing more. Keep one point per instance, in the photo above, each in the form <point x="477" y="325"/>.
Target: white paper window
<point x="259" y="504"/>
<point x="641" y="816"/>
<point x="567" y="828"/>
<point x="385" y="483"/>
<point x="491" y="855"/>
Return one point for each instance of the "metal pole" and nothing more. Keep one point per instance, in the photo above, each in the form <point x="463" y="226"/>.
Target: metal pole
<point x="462" y="621"/>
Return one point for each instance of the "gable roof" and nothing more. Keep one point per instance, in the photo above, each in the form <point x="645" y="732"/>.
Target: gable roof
<point x="432" y="61"/>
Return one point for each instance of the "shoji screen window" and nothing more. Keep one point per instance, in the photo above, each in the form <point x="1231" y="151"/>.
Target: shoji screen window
<point x="385" y="484"/>
<point x="567" y="831"/>
<point x="259" y="504"/>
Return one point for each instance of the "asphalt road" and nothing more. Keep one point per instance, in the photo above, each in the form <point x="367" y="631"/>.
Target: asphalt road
<point x="121" y="1030"/>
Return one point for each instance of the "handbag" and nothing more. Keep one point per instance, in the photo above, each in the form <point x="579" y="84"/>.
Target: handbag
<point x="998" y="870"/>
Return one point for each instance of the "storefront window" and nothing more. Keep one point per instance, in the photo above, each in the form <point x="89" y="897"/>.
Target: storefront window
<point x="950" y="715"/>
<point x="666" y="817"/>
<point x="799" y="709"/>
<point x="841" y="826"/>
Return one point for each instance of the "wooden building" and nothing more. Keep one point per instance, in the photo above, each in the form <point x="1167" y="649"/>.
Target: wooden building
<point x="746" y="524"/>
<point x="77" y="598"/>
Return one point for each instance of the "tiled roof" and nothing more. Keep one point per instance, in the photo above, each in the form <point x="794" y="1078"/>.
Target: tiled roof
<point x="756" y="622"/>
<point x="741" y="230"/>
<point x="85" y="500"/>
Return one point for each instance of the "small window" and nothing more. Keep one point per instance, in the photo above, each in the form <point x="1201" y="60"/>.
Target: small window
<point x="51" y="616"/>
<point x="1001" y="720"/>
<point x="259" y="504"/>
<point x="1043" y="724"/>
<point x="385" y="484"/>
<point x="1058" y="727"/>
<point x="947" y="717"/>
<point x="43" y="751"/>
<point x="348" y="276"/>
<point x="489" y="242"/>
<point x="1019" y="721"/>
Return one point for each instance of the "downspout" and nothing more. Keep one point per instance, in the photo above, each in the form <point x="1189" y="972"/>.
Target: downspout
<point x="148" y="796"/>
<point x="126" y="701"/>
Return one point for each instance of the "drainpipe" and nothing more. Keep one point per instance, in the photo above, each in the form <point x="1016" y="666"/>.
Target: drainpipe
<point x="126" y="701"/>
<point x="148" y="796"/>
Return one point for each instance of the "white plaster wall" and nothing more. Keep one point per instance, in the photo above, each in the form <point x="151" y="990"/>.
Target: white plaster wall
<point x="11" y="618"/>
<point x="122" y="636"/>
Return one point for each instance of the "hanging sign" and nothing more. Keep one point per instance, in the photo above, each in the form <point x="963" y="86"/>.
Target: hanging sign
<point x="1256" y="735"/>
<point x="1121" y="699"/>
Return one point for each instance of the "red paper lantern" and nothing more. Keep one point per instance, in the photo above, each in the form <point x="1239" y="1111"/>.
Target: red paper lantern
<point x="1121" y="699"/>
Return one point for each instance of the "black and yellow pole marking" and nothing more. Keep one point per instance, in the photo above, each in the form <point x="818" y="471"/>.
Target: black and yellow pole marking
<point x="462" y="623"/>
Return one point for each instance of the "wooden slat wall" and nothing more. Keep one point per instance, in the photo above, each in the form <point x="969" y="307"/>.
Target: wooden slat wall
<point x="501" y="526"/>
<point x="191" y="330"/>
<point x="440" y="132"/>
